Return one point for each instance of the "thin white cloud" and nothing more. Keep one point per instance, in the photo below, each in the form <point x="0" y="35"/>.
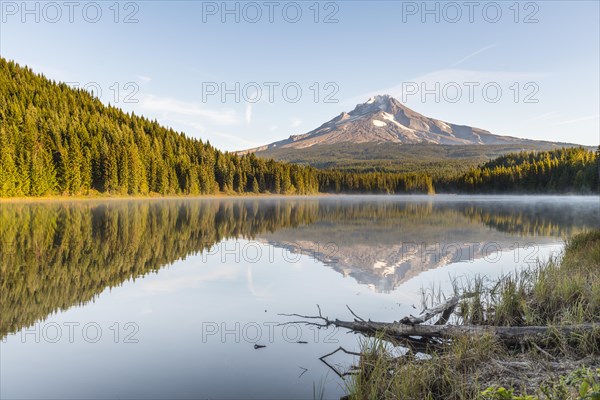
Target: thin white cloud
<point x="252" y="287"/>
<point x="248" y="113"/>
<point x="273" y="128"/>
<point x="175" y="284"/>
<point x="543" y="117"/>
<point x="144" y="78"/>
<point x="462" y="60"/>
<point x="238" y="140"/>
<point x="198" y="130"/>
<point x="146" y="311"/>
<point x="296" y="122"/>
<point x="190" y="110"/>
<point x="462" y="77"/>
<point x="575" y="120"/>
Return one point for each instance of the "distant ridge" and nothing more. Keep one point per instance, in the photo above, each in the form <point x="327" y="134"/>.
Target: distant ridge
<point x="383" y="119"/>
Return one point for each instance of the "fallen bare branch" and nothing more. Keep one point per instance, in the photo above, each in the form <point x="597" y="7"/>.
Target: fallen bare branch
<point x="340" y="374"/>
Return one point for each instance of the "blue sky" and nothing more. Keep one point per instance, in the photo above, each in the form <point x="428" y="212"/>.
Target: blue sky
<point x="527" y="69"/>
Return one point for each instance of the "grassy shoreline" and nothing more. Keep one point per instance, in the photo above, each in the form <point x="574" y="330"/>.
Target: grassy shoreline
<point x="563" y="291"/>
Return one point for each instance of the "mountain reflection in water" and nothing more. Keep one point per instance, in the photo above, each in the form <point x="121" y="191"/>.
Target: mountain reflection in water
<point x="61" y="254"/>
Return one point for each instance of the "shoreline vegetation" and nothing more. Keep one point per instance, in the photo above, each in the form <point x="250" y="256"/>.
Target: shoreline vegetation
<point x="563" y="363"/>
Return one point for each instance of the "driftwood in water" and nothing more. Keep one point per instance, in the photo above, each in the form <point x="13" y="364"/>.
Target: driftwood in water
<point x="507" y="334"/>
<point x="410" y="329"/>
<point x="424" y="338"/>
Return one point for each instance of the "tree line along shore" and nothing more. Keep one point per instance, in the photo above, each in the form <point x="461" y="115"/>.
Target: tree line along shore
<point x="60" y="141"/>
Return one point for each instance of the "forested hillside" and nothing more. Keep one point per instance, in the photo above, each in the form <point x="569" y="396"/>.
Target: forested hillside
<point x="433" y="159"/>
<point x="568" y="170"/>
<point x="56" y="140"/>
<point x="336" y="181"/>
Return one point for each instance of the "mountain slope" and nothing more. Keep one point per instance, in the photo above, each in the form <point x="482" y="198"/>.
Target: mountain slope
<point x="384" y="135"/>
<point x="433" y="159"/>
<point x="383" y="119"/>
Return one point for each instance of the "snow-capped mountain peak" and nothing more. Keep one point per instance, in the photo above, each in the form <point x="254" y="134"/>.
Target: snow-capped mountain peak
<point x="383" y="119"/>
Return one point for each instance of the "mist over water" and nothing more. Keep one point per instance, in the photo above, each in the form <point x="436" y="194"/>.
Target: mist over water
<point x="167" y="298"/>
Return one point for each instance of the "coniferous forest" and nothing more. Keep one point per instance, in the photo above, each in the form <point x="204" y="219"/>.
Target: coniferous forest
<point x="56" y="140"/>
<point x="567" y="170"/>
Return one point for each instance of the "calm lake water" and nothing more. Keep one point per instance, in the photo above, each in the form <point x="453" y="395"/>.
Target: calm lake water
<point x="167" y="298"/>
